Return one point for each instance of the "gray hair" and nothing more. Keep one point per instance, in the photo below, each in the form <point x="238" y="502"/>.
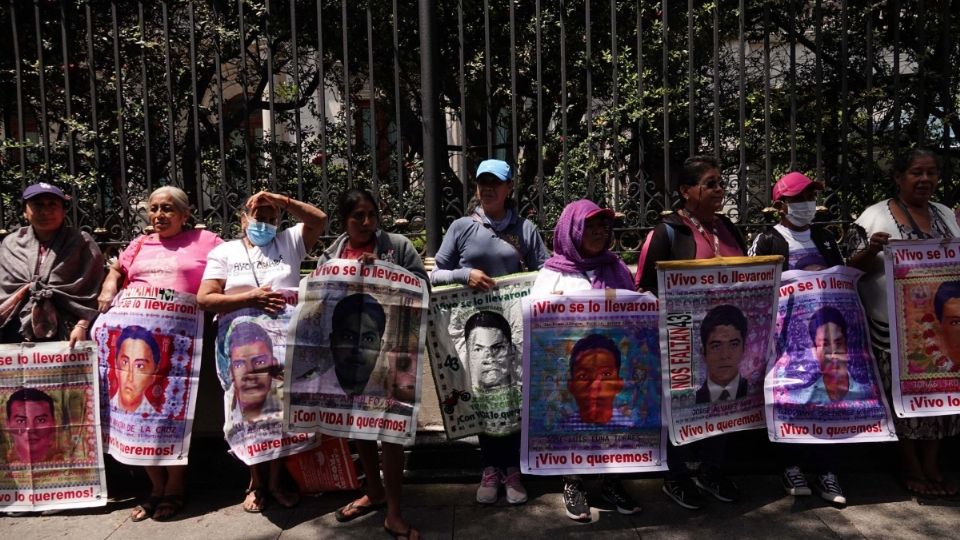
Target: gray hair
<point x="180" y="200"/>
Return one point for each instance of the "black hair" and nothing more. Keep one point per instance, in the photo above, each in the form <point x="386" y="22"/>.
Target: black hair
<point x="140" y="333"/>
<point x="826" y="315"/>
<point x="723" y="315"/>
<point x="594" y="341"/>
<point x="359" y="303"/>
<point x="693" y="168"/>
<point x="948" y="290"/>
<point x="487" y="319"/>
<point x="28" y="394"/>
<point x="905" y="159"/>
<point x="248" y="332"/>
<point x="351" y="198"/>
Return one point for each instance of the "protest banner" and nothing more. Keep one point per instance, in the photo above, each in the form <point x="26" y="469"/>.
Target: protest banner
<point x="51" y="446"/>
<point x="251" y="355"/>
<point x="822" y="386"/>
<point x="923" y="303"/>
<point x="591" y="390"/>
<point x="356" y="345"/>
<point x="475" y="340"/>
<point x="148" y="350"/>
<point x="717" y="320"/>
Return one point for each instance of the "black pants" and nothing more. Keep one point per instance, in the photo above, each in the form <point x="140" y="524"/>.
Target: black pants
<point x="819" y="458"/>
<point x="500" y="452"/>
<point x="710" y="452"/>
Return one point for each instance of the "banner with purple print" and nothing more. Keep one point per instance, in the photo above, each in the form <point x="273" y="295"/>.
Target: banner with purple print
<point x="591" y="395"/>
<point x="823" y="386"/>
<point x="923" y="302"/>
<point x="716" y="333"/>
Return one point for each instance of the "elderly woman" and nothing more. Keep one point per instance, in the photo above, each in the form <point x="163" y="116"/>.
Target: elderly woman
<point x="910" y="215"/>
<point x="363" y="240"/>
<point x="50" y="273"/>
<point x="493" y="240"/>
<point x="582" y="260"/>
<point x="695" y="231"/>
<point x="250" y="273"/>
<point x="170" y="257"/>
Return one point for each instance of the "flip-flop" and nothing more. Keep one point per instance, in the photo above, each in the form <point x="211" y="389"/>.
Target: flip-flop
<point x="398" y="535"/>
<point x="358" y="510"/>
<point x="145" y="509"/>
<point x="173" y="502"/>
<point x="258" y="497"/>
<point x="909" y="483"/>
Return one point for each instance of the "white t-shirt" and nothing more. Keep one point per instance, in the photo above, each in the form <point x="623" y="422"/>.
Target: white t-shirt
<point x="276" y="264"/>
<point x="803" y="252"/>
<point x="549" y="281"/>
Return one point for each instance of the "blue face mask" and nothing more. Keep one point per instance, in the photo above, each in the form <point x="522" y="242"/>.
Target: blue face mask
<point x="259" y="233"/>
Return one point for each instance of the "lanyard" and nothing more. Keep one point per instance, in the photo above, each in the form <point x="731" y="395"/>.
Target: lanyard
<point x="703" y="232"/>
<point x="913" y="222"/>
<point x="249" y="260"/>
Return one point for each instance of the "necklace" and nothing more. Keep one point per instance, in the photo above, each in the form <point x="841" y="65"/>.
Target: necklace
<point x="696" y="223"/>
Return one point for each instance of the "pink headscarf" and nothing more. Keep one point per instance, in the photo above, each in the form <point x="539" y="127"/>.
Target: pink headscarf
<point x="611" y="272"/>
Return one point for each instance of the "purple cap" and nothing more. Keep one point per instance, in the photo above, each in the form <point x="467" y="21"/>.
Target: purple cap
<point x="496" y="167"/>
<point x="792" y="184"/>
<point x="43" y="188"/>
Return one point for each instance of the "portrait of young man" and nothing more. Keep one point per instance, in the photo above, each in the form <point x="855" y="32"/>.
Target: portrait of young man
<point x="723" y="334"/>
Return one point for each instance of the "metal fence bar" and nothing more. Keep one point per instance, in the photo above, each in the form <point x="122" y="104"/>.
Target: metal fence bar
<point x="588" y="64"/>
<point x="68" y="100"/>
<point x="818" y="75"/>
<point x="691" y="85"/>
<point x="373" y="105"/>
<point x="171" y="133"/>
<point x="121" y="131"/>
<point x="716" y="80"/>
<point x="793" y="85"/>
<point x="197" y="151"/>
<point x="396" y="97"/>
<point x="844" y="92"/>
<point x="514" y="157"/>
<point x="564" y="131"/>
<point x="272" y="90"/>
<point x="767" y="165"/>
<point x="464" y="178"/>
<point x="221" y="135"/>
<point x="18" y="76"/>
<point x="895" y="49"/>
<point x="296" y="109"/>
<point x="616" y="102"/>
<point x="322" y="106"/>
<point x="665" y="61"/>
<point x="145" y="99"/>
<point x="742" y="182"/>
<point x="94" y="123"/>
<point x="641" y="187"/>
<point x="868" y="68"/>
<point x="42" y="76"/>
<point x="488" y="77"/>
<point x="346" y="91"/>
<point x="540" y="180"/>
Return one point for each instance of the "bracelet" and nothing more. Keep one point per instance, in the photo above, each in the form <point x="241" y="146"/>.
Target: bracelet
<point x="82" y="324"/>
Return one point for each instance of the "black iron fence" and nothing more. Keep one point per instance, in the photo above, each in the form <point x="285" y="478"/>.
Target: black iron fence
<point x="598" y="99"/>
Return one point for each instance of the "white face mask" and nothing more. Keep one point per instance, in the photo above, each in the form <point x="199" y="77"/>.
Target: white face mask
<point x="801" y="214"/>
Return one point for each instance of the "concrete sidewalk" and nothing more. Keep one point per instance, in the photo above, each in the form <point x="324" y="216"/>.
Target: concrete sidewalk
<point x="878" y="508"/>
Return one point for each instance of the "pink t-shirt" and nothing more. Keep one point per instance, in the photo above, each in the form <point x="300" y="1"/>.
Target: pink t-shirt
<point x="174" y="263"/>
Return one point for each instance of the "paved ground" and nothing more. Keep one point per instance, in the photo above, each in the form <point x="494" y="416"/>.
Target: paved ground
<point x="878" y="509"/>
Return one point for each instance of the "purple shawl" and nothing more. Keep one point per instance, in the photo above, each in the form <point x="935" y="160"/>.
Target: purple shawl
<point x="611" y="272"/>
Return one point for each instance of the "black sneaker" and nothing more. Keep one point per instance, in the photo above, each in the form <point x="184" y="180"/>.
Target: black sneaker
<point x="575" y="501"/>
<point x="794" y="482"/>
<point x="612" y="491"/>
<point x="718" y="485"/>
<point x="829" y="488"/>
<point x="683" y="492"/>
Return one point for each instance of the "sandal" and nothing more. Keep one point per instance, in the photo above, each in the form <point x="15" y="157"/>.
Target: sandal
<point x="145" y="509"/>
<point x="285" y="499"/>
<point x="255" y="505"/>
<point x="398" y="535"/>
<point x="356" y="510"/>
<point x="169" y="506"/>
<point x="916" y="485"/>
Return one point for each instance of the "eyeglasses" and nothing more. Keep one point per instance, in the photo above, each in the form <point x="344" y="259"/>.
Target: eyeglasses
<point x="714" y="184"/>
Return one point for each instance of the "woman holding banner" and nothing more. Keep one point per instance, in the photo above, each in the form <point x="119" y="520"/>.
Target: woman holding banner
<point x="695" y="231"/>
<point x="252" y="272"/>
<point x="170" y="257"/>
<point x="363" y="240"/>
<point x="582" y="260"/>
<point x="493" y="240"/>
<point x="910" y="215"/>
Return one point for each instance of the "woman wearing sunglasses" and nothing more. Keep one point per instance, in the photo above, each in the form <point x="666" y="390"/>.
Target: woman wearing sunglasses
<point x="695" y="231"/>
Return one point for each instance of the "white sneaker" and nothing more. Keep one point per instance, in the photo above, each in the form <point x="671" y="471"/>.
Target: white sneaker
<point x="489" y="486"/>
<point x="516" y="493"/>
<point x="829" y="488"/>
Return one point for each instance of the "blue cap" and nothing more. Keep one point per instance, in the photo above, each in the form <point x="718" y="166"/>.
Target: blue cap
<point x="43" y="188"/>
<point x="500" y="169"/>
